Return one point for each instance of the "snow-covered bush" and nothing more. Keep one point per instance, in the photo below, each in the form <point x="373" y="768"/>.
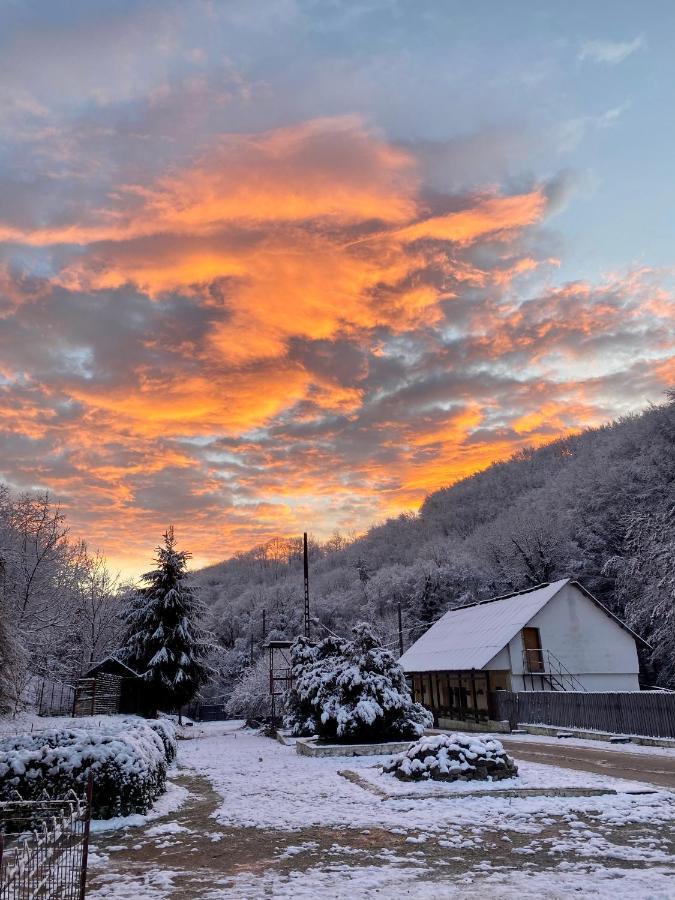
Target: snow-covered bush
<point x="352" y="690"/>
<point x="167" y="733"/>
<point x="128" y="759"/>
<point x="313" y="665"/>
<point x="453" y="757"/>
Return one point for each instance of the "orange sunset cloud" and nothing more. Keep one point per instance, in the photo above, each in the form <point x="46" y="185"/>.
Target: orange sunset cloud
<point x="289" y="331"/>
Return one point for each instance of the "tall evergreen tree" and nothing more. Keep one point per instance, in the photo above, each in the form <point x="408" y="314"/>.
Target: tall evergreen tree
<point x="166" y="641"/>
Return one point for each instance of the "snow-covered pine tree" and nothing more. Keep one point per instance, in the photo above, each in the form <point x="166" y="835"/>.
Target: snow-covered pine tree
<point x="310" y="663"/>
<point x="166" y="641"/>
<point x="354" y="690"/>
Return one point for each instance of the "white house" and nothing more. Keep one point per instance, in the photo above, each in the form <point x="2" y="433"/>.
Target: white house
<point x="554" y="637"/>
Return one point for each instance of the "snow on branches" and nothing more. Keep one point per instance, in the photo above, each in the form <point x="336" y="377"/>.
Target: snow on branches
<point x="351" y="690"/>
<point x="127" y="756"/>
<point x="166" y="642"/>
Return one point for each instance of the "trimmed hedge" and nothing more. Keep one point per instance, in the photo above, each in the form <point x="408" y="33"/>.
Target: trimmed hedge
<point x="167" y="734"/>
<point x="128" y="758"/>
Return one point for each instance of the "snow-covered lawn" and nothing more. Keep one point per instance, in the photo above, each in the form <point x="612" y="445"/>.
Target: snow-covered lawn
<point x="257" y="820"/>
<point x="265" y="785"/>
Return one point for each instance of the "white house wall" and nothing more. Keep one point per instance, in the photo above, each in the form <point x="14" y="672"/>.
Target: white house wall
<point x="591" y="645"/>
<point x="501" y="661"/>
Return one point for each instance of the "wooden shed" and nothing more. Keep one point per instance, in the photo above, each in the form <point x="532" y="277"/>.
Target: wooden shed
<point x="110" y="687"/>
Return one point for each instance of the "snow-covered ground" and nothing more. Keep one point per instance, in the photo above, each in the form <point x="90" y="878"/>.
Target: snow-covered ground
<point x="265" y="785"/>
<point x="275" y="824"/>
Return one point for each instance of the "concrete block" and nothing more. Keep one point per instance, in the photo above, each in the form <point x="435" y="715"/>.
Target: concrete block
<point x="313" y="747"/>
<point x="490" y="727"/>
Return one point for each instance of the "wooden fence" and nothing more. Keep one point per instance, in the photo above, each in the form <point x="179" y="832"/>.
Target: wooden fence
<point x="646" y="713"/>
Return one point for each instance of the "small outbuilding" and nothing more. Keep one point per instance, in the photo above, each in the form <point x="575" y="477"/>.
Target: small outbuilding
<point x="553" y="637"/>
<point x="109" y="687"/>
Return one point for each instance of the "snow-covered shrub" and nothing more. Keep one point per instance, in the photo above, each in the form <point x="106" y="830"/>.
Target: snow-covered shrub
<point x="128" y="758"/>
<point x="167" y="734"/>
<point x="352" y="690"/>
<point x="453" y="757"/>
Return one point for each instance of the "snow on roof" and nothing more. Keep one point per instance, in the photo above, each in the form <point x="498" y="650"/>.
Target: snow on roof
<point x="109" y="660"/>
<point x="469" y="636"/>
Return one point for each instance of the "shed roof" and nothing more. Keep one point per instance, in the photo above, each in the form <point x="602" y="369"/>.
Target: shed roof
<point x="470" y="636"/>
<point x="111" y="664"/>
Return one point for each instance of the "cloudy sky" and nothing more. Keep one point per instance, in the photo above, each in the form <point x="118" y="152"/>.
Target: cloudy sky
<point x="292" y="264"/>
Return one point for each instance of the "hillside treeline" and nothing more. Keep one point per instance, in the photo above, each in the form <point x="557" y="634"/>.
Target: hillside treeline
<point x="598" y="506"/>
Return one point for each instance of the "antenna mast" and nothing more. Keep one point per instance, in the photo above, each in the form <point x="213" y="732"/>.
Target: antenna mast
<point x="306" y="570"/>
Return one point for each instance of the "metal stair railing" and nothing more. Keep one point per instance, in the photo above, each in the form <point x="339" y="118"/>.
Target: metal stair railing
<point x="545" y="665"/>
<point x="560" y="670"/>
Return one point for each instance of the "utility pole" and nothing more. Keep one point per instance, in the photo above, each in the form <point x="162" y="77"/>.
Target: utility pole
<point x="400" y="632"/>
<point x="264" y="634"/>
<point x="306" y="571"/>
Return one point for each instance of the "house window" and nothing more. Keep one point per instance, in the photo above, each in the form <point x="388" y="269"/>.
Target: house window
<point x="533" y="656"/>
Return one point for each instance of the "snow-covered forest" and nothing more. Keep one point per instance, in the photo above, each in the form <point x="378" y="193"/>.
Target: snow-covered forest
<point x="59" y="603"/>
<point x="599" y="506"/>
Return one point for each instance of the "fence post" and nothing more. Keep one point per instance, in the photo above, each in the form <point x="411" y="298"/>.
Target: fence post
<point x="85" y="845"/>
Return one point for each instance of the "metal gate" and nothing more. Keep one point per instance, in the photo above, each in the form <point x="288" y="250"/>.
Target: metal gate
<point x="44" y="846"/>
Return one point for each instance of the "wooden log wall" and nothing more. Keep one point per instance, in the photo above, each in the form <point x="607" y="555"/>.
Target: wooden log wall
<point x="98" y="696"/>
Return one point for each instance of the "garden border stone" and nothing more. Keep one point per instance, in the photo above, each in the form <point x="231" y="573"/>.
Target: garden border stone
<point x="490" y="726"/>
<point x="311" y="747"/>
<point x="507" y="793"/>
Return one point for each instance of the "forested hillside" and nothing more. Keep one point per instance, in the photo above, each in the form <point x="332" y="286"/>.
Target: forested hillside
<point x="599" y="506"/>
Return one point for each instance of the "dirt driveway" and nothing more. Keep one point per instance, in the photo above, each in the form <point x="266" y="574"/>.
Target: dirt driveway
<point x="187" y="855"/>
<point x="260" y="821"/>
<point x="657" y="769"/>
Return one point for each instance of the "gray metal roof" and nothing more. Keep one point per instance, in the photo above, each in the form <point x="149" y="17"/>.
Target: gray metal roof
<point x="470" y="636"/>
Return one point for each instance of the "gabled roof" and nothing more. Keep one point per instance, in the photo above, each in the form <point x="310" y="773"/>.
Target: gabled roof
<point x="468" y="637"/>
<point x="111" y="663"/>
